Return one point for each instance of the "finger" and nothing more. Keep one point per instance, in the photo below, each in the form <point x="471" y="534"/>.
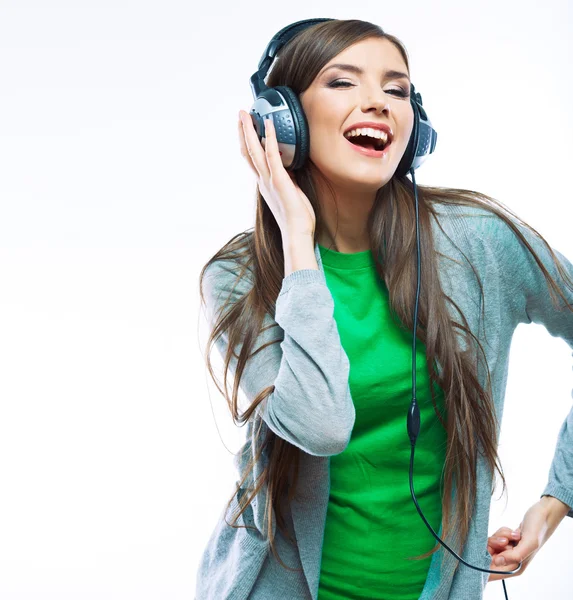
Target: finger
<point x="494" y="547"/>
<point x="498" y="542"/>
<point x="243" y="147"/>
<point x="274" y="161"/>
<point x="498" y="576"/>
<point x="248" y="144"/>
<point x="515" y="555"/>
<point x="254" y="148"/>
<point x="503" y="570"/>
<point x="504" y="536"/>
<point x="506" y="532"/>
<point x="513" y="534"/>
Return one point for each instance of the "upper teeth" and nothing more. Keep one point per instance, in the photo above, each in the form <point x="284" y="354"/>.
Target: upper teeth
<point x="375" y="133"/>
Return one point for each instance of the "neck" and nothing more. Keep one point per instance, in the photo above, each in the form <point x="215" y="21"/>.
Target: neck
<point x="345" y="221"/>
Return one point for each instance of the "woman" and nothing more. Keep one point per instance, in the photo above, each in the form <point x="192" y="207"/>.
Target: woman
<point x="313" y="314"/>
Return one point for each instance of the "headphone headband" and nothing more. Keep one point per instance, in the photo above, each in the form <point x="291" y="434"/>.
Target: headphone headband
<point x="273" y="47"/>
<point x="284" y="36"/>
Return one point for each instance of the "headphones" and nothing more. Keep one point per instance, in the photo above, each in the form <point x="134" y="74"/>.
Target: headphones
<point x="281" y="104"/>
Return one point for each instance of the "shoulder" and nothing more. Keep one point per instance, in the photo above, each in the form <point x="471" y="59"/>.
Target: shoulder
<point x="507" y="244"/>
<point x="231" y="262"/>
<point x="470" y="219"/>
<point x="448" y="210"/>
<point x="468" y="232"/>
<point x="481" y="227"/>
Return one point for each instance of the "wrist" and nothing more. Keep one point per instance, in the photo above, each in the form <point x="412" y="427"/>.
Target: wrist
<point x="293" y="237"/>
<point x="556" y="509"/>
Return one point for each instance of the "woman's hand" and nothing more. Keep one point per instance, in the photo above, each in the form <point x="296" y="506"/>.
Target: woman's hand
<point x="538" y="524"/>
<point x="503" y="539"/>
<point x="291" y="208"/>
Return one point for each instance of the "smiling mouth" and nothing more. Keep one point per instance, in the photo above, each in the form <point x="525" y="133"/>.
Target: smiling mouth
<point x="368" y="142"/>
<point x="369" y="150"/>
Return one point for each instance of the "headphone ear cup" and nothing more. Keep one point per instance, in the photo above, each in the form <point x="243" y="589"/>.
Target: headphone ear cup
<point x="302" y="138"/>
<point x="408" y="157"/>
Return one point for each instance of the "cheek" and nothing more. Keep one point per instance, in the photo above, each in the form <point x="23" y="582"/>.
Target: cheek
<point x="324" y="139"/>
<point x="325" y="118"/>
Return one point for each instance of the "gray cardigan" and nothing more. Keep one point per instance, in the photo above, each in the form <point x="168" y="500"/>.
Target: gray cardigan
<point x="312" y="408"/>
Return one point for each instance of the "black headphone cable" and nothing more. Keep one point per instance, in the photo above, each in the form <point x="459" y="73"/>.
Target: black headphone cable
<point x="413" y="419"/>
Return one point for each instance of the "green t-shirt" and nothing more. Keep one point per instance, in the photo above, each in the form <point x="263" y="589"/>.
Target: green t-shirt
<point x="372" y="525"/>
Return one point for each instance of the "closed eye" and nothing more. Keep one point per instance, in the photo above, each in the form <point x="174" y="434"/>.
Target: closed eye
<point x="340" y="83"/>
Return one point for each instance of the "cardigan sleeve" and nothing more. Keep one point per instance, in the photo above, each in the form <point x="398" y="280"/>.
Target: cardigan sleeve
<point x="311" y="406"/>
<point x="528" y="293"/>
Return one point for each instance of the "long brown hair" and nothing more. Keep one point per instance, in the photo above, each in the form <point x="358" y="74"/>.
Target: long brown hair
<point x="471" y="419"/>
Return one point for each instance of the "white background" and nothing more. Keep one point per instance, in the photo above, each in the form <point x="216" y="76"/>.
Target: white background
<point x="120" y="176"/>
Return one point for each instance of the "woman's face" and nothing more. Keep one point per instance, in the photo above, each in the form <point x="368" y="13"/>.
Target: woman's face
<point x="368" y="96"/>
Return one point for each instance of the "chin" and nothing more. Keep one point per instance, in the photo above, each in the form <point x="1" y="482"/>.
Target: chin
<point x="369" y="176"/>
<point x="365" y="174"/>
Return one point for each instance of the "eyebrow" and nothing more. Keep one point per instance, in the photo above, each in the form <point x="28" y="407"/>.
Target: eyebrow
<point x="389" y="74"/>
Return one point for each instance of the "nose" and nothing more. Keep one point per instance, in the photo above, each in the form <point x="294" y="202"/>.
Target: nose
<point x="378" y="100"/>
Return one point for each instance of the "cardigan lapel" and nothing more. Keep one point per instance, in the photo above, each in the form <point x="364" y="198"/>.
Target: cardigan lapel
<point x="310" y="503"/>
